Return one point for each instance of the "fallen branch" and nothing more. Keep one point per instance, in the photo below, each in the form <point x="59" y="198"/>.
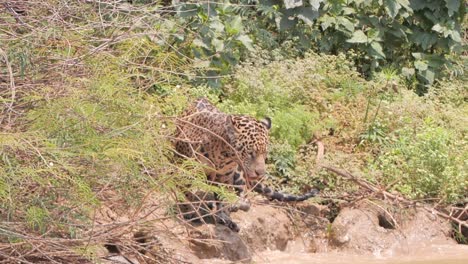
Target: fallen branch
<point x="369" y="186"/>
<point x="395" y="196"/>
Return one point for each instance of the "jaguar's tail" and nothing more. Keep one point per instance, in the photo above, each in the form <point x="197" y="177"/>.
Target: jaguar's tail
<point x="274" y="195"/>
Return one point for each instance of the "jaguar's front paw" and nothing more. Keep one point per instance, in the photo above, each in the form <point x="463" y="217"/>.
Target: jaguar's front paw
<point x="224" y="219"/>
<point x="234" y="227"/>
<point x="242" y="204"/>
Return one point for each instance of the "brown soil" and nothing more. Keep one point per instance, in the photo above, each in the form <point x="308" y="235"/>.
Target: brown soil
<point x="365" y="229"/>
<point x="369" y="228"/>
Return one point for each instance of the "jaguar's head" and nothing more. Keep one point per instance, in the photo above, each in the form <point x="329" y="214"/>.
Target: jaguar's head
<point x="250" y="139"/>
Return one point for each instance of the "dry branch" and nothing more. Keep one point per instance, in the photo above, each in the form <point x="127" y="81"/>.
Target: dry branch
<point x="394" y="196"/>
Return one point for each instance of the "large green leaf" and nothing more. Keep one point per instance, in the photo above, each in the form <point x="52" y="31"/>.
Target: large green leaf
<point x="292" y="3"/>
<point x="374" y="34"/>
<point x="216" y="25"/>
<point x="405" y="4"/>
<point x="424" y="39"/>
<point x="377" y="49"/>
<point x="308" y="15"/>
<point x="234" y="26"/>
<point x="200" y="43"/>
<point x="453" y="6"/>
<point x="419" y="4"/>
<point x="315" y="4"/>
<point x="407" y="72"/>
<point x="392" y="7"/>
<point x="286" y="23"/>
<point x="346" y="23"/>
<point x="420" y="65"/>
<point x="358" y="37"/>
<point x="217" y="44"/>
<point x="455" y="35"/>
<point x="440" y="28"/>
<point x="246" y="41"/>
<point x="428" y="75"/>
<point x="327" y="21"/>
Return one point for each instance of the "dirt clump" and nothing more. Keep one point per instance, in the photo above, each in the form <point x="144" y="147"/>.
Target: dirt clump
<point x="369" y="228"/>
<point x="263" y="227"/>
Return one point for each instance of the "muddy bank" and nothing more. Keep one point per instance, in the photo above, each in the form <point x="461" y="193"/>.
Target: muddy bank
<point x="367" y="229"/>
<point x="274" y="233"/>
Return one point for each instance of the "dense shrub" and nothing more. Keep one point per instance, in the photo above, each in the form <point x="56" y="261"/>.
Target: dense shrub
<point x="428" y="163"/>
<point x="99" y="136"/>
<point x="417" y="37"/>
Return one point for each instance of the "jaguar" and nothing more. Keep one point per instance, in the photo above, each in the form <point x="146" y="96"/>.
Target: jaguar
<point x="233" y="149"/>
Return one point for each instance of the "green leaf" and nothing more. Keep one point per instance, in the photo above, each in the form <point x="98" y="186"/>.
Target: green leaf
<point x="348" y="11"/>
<point x="405" y="4"/>
<point x="419" y="4"/>
<point x="442" y="29"/>
<point x="200" y="43"/>
<point x="424" y="39"/>
<point x="374" y="34"/>
<point x="327" y="21"/>
<point x="210" y="10"/>
<point x="358" y="37"/>
<point x="438" y="28"/>
<point x="346" y="23"/>
<point x="420" y="65"/>
<point x="234" y="26"/>
<point x="392" y="7"/>
<point x="315" y="4"/>
<point x="452" y="6"/>
<point x="285" y="23"/>
<point x="429" y="75"/>
<point x="417" y="55"/>
<point x="216" y="25"/>
<point x="455" y="35"/>
<point x="246" y="41"/>
<point x="308" y="15"/>
<point x="292" y="3"/>
<point x="407" y="72"/>
<point x="217" y="44"/>
<point x="435" y="61"/>
<point x="377" y="49"/>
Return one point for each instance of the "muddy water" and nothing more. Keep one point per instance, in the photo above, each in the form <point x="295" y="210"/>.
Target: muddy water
<point x="443" y="254"/>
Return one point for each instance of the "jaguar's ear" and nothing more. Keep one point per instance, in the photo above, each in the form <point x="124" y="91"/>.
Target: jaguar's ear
<point x="266" y="122"/>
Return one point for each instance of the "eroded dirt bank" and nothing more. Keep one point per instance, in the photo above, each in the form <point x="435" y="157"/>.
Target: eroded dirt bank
<point x="366" y="232"/>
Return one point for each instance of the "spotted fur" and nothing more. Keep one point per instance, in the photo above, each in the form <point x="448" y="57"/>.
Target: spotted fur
<point x="233" y="148"/>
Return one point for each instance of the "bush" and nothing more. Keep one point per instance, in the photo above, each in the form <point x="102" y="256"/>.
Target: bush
<point x="417" y="37"/>
<point x="304" y="98"/>
<point x="427" y="163"/>
<point x="321" y="93"/>
<point x="98" y="135"/>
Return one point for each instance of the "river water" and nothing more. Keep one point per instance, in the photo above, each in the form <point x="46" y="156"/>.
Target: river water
<point x="434" y="254"/>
